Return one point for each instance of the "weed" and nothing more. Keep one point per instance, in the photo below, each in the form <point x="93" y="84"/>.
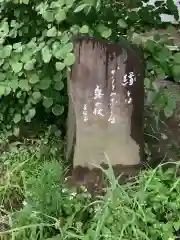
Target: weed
<point x="35" y="203"/>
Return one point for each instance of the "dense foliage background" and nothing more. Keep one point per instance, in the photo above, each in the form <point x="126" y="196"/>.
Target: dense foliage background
<point x="36" y="49"/>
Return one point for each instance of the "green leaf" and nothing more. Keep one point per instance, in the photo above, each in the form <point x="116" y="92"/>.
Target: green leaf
<point x="137" y="39"/>
<point x="25" y="1"/>
<point x="32" y="112"/>
<point x="16" y="66"/>
<point x="46" y="54"/>
<point x="66" y="37"/>
<point x="60" y="66"/>
<point x="57" y="77"/>
<point x="52" y="32"/>
<point x="62" y="51"/>
<point x="2" y="90"/>
<point x="33" y="78"/>
<point x="163" y="55"/>
<point x="17" y="47"/>
<point x="59" y="86"/>
<point x="48" y="15"/>
<point x="122" y="23"/>
<point x="176" y="71"/>
<point x="58" y="110"/>
<point x="147" y="83"/>
<point x="177" y="58"/>
<point x="44" y="83"/>
<point x="70" y="59"/>
<point x="176" y="225"/>
<point x="84" y="29"/>
<point x="160" y="72"/>
<point x="60" y="15"/>
<point x="67" y="48"/>
<point x="107" y="33"/>
<point x="104" y="31"/>
<point x="133" y="16"/>
<point x="26" y="55"/>
<point x="7" y="51"/>
<point x="7" y="90"/>
<point x="16" y="131"/>
<point x="69" y="3"/>
<point x="150" y="45"/>
<point x="17" y="118"/>
<point x="4" y="29"/>
<point x="2" y="76"/>
<point x="98" y="5"/>
<point x="47" y="102"/>
<point x="57" y="237"/>
<point x="90" y="2"/>
<point x="36" y="96"/>
<point x="81" y="7"/>
<point x="169" y="109"/>
<point x="1" y="61"/>
<point x="29" y="65"/>
<point x="74" y="29"/>
<point x="57" y="4"/>
<point x="24" y="84"/>
<point x="14" y="83"/>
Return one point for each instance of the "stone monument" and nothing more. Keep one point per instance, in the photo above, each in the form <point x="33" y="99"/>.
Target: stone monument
<point x="106" y="102"/>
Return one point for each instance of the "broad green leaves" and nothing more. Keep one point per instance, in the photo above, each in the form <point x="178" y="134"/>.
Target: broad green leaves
<point x="44" y="83"/>
<point x="84" y="29"/>
<point x="170" y="107"/>
<point x="69" y="60"/>
<point x="104" y="31"/>
<point x="46" y="54"/>
<point x="16" y="66"/>
<point x="36" y="96"/>
<point x="33" y="78"/>
<point x="61" y="51"/>
<point x="122" y="23"/>
<point x="176" y="70"/>
<point x="177" y="58"/>
<point x="2" y="76"/>
<point x="2" y="89"/>
<point x="60" y="15"/>
<point x="6" y="51"/>
<point x="60" y="66"/>
<point x="58" y="110"/>
<point x="81" y="7"/>
<point x="30" y="115"/>
<point x="24" y="85"/>
<point x="59" y="86"/>
<point x="47" y="102"/>
<point x="36" y="48"/>
<point x="17" y="118"/>
<point x="48" y="15"/>
<point x="52" y="32"/>
<point x="29" y="65"/>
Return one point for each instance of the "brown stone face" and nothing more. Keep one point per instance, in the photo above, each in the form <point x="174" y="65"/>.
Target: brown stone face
<point x="106" y="101"/>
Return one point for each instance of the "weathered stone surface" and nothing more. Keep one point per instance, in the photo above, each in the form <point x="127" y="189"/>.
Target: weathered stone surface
<point x="106" y="101"/>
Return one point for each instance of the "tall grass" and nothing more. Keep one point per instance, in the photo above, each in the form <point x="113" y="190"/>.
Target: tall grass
<point x="35" y="203"/>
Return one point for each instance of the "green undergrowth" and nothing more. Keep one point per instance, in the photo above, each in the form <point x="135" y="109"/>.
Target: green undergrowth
<point x="35" y="203"/>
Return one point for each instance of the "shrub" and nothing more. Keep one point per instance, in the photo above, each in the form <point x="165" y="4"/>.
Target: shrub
<point x="36" y="49"/>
